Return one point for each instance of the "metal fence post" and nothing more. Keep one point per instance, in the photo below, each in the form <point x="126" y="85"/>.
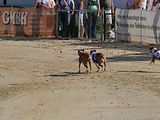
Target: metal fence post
<point x="102" y="24"/>
<point x="79" y="26"/>
<point x="141" y="27"/>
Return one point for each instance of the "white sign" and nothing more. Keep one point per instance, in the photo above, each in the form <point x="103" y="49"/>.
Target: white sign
<point x="16" y="18"/>
<point x="137" y="25"/>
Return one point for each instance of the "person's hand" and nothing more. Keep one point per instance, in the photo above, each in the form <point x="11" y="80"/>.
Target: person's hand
<point x="99" y="13"/>
<point x="72" y="12"/>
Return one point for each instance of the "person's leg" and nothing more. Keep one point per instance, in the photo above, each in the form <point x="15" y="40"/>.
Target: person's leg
<point x="89" y="25"/>
<point x="81" y="26"/>
<point x="63" y="21"/>
<point x="66" y="24"/>
<point x="94" y="21"/>
<point x="85" y="20"/>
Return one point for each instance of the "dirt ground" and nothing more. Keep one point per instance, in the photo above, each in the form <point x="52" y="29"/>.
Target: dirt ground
<point x="39" y="80"/>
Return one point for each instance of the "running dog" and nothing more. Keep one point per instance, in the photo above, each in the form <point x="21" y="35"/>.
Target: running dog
<point x="155" y="54"/>
<point x="98" y="59"/>
<point x="84" y="58"/>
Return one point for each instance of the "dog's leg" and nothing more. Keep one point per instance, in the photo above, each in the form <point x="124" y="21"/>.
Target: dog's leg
<point x="90" y="66"/>
<point x="85" y="64"/>
<point x="79" y="66"/>
<point x="104" y="65"/>
<point x="97" y="67"/>
<point x="101" y="66"/>
<point x="153" y="60"/>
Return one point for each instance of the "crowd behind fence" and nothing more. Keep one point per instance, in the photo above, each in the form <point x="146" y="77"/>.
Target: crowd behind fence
<point x="101" y="33"/>
<point x="127" y="24"/>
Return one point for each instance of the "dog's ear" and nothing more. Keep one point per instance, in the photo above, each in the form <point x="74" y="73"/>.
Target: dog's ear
<point x="151" y="48"/>
<point x="81" y="50"/>
<point x="91" y="51"/>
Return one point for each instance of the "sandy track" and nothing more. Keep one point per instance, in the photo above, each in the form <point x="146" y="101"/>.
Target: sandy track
<point x="39" y="81"/>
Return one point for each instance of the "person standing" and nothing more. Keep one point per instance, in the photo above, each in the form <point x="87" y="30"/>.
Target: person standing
<point x="81" y="12"/>
<point x="38" y="4"/>
<point x="144" y="5"/>
<point x="155" y="5"/>
<point x="44" y="3"/>
<point x="136" y="4"/>
<point x="65" y="16"/>
<point x="79" y="7"/>
<point x="108" y="11"/>
<point x="93" y="11"/>
<point x="48" y="3"/>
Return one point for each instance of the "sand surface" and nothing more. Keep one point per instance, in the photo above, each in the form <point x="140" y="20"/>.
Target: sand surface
<point x="39" y="80"/>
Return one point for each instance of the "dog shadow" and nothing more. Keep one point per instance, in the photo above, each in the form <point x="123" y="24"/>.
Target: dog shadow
<point x="130" y="57"/>
<point x="66" y="74"/>
<point x="136" y="71"/>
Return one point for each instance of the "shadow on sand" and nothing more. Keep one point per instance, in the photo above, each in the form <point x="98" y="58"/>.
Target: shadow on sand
<point x="66" y="74"/>
<point x="137" y="71"/>
<point x="130" y="57"/>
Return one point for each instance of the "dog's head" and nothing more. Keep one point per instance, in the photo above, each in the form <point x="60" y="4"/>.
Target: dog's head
<point x="80" y="50"/>
<point x="91" y="51"/>
<point x="152" y="49"/>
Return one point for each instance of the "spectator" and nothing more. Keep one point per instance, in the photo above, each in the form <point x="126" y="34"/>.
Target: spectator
<point x="38" y="4"/>
<point x="93" y="8"/>
<point x="48" y="3"/>
<point x="144" y="4"/>
<point x="85" y="20"/>
<point x="81" y="12"/>
<point x="65" y="16"/>
<point x="135" y="4"/>
<point x="44" y="3"/>
<point x="156" y="5"/>
<point x="51" y="3"/>
<point x="107" y="6"/>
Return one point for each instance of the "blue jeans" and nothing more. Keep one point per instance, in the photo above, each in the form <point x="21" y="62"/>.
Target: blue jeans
<point x="92" y="20"/>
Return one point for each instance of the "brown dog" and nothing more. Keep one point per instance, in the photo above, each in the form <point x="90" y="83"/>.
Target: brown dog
<point x="155" y="54"/>
<point x="84" y="58"/>
<point x="98" y="59"/>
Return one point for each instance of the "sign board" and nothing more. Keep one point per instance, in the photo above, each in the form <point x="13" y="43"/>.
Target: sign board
<point x="137" y="25"/>
<point x="27" y="21"/>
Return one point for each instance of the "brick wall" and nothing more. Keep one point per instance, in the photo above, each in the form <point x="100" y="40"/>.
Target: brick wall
<point x="27" y="21"/>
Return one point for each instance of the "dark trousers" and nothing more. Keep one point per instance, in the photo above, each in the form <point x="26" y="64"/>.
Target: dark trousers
<point x="65" y="20"/>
